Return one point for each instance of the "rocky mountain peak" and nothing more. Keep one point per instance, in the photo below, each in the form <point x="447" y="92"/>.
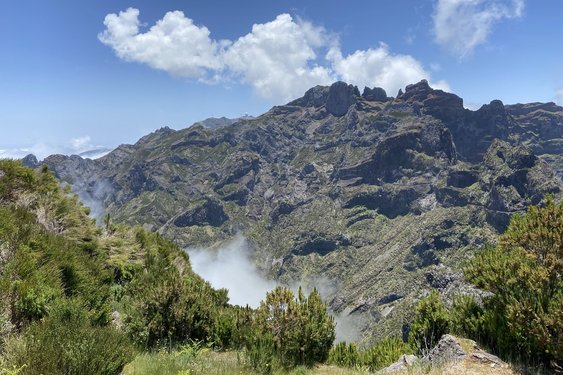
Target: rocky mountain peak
<point x="337" y="98"/>
<point x="340" y="97"/>
<point x="30" y="161"/>
<point x="377" y="94"/>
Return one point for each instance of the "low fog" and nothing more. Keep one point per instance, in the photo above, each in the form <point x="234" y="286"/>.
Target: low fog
<point x="230" y="267"/>
<point x="93" y="197"/>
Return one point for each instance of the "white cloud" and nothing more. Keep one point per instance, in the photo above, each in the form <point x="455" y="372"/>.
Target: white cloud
<point x="280" y="59"/>
<point x="461" y="25"/>
<point x="75" y="146"/>
<point x="230" y="267"/>
<point x="559" y="97"/>
<point x="174" y="44"/>
<point x="80" y="143"/>
<point x="277" y="58"/>
<point x="379" y="67"/>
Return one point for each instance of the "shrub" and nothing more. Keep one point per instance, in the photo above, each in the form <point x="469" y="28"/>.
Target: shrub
<point x="291" y="331"/>
<point x="67" y="343"/>
<point x="344" y="355"/>
<point x="384" y="353"/>
<point x="524" y="316"/>
<point x="431" y="321"/>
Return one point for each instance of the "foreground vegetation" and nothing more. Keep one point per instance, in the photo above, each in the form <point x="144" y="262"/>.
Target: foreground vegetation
<point x="77" y="298"/>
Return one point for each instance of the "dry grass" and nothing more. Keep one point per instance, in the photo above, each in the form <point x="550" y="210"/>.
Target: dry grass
<point x="227" y="363"/>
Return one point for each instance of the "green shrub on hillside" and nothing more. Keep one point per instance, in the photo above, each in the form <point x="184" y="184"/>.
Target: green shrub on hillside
<point x="344" y="355"/>
<point x="290" y="331"/>
<point x="431" y="321"/>
<point x="67" y="343"/>
<point x="384" y="353"/>
<point x="524" y="317"/>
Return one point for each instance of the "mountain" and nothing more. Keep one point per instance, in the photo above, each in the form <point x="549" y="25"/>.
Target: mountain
<point x="374" y="199"/>
<point x="215" y="123"/>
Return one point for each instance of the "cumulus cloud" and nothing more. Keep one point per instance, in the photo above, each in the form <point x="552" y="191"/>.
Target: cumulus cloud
<point x="276" y="57"/>
<point x="280" y="59"/>
<point x="379" y="67"/>
<point x="174" y="44"/>
<point x="461" y="25"/>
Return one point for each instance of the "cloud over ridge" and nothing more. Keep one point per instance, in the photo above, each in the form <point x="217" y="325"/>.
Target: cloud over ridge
<point x="462" y="25"/>
<point x="280" y="59"/>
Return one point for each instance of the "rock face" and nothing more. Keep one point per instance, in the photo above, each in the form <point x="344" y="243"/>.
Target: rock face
<point x="340" y="97"/>
<point x="367" y="193"/>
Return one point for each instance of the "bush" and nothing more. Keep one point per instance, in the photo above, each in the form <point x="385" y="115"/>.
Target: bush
<point x="431" y="321"/>
<point x="66" y="343"/>
<point x="384" y="353"/>
<point x="344" y="355"/>
<point x="290" y="331"/>
<point x="524" y="317"/>
<point x="167" y="304"/>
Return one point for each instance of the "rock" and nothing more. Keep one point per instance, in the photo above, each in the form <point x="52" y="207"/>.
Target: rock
<point x="314" y="97"/>
<point x="462" y="178"/>
<point x="377" y="94"/>
<point x="510" y="174"/>
<point x="487" y="358"/>
<point x="116" y="319"/>
<point x="418" y="90"/>
<point x="321" y="244"/>
<point x="30" y="161"/>
<point x="387" y="201"/>
<point x="210" y="212"/>
<point x="447" y="350"/>
<point x="340" y="97"/>
<point x="403" y="364"/>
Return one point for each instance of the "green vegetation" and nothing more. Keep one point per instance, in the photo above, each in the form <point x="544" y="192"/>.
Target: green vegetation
<point x="431" y="321"/>
<point x="522" y="319"/>
<point x="81" y="299"/>
<point x="290" y="331"/>
<point x="377" y="357"/>
<point x="76" y="298"/>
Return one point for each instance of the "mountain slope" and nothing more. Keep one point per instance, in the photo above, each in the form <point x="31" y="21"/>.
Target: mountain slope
<point x="377" y="199"/>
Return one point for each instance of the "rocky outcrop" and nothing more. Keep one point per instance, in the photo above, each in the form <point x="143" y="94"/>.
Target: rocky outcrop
<point x="30" y="161"/>
<point x="340" y="97"/>
<point x="377" y="94"/>
<point x="403" y="364"/>
<point x="447" y="350"/>
<point x="210" y="212"/>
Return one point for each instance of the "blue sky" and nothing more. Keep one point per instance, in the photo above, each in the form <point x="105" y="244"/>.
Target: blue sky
<point x="76" y="75"/>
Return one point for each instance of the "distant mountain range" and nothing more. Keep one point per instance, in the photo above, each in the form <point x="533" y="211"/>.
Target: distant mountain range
<point x="376" y="199"/>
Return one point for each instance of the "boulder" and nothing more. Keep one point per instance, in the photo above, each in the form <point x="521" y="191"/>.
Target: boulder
<point x="403" y="364"/>
<point x="447" y="350"/>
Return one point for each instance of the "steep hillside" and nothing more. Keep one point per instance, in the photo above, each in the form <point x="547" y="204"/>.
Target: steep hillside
<point x="378" y="199"/>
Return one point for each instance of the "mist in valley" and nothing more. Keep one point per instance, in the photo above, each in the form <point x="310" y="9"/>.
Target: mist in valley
<point x="231" y="267"/>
